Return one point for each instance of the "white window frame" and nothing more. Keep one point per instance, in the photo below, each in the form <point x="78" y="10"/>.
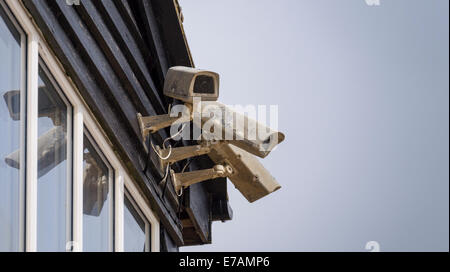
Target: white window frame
<point x="82" y="117"/>
<point x="111" y="186"/>
<point x="23" y="124"/>
<point x="147" y="227"/>
<point x="69" y="156"/>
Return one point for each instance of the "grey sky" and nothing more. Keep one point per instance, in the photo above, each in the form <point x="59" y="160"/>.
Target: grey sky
<point x="363" y="100"/>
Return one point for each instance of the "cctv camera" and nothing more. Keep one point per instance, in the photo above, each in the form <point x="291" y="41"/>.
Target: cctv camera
<point x="184" y="83"/>
<point x="95" y="187"/>
<point x="249" y="176"/>
<point x="238" y="129"/>
<point x="47" y="108"/>
<point x="230" y="126"/>
<point x="51" y="151"/>
<point x="12" y="100"/>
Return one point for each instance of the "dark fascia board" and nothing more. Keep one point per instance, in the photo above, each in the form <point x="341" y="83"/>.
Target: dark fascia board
<point x="167" y="14"/>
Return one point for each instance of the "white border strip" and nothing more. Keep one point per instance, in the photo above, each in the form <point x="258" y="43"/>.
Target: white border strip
<point x="154" y="221"/>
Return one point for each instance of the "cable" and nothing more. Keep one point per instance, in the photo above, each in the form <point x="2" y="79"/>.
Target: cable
<point x="166" y="175"/>
<point x="182" y="171"/>
<point x="147" y="162"/>
<point x="186" y="165"/>
<point x="173" y="136"/>
<point x="165" y="181"/>
<point x="180" y="203"/>
<point x="164" y="144"/>
<point x="181" y="192"/>
<point x="159" y="155"/>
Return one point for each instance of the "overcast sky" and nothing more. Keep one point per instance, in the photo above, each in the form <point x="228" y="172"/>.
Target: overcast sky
<point x="363" y="97"/>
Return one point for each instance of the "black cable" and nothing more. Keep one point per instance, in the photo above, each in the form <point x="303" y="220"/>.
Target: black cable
<point x="180" y="203"/>
<point x="165" y="184"/>
<point x="187" y="164"/>
<point x="148" y="157"/>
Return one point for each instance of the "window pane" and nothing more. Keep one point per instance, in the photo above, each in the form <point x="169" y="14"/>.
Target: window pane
<point x="135" y="239"/>
<point x="97" y="211"/>
<point x="54" y="179"/>
<point x="10" y="140"/>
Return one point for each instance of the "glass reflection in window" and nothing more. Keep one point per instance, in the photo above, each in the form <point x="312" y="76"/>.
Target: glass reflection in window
<point x="97" y="199"/>
<point x="54" y="167"/>
<point x="12" y="86"/>
<point x="136" y="228"/>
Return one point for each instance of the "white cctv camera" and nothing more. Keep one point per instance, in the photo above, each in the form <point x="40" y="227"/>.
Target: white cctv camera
<point x="51" y="152"/>
<point x="249" y="176"/>
<point x="238" y="129"/>
<point x="182" y="83"/>
<point x="229" y="125"/>
<point x="46" y="106"/>
<point x="185" y="83"/>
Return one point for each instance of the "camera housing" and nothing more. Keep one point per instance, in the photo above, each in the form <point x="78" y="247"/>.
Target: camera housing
<point x="185" y="83"/>
<point x="247" y="133"/>
<point x="249" y="176"/>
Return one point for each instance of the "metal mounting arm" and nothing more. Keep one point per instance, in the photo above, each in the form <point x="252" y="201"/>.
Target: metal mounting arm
<point x="176" y="154"/>
<point x="151" y="124"/>
<point x="183" y="180"/>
